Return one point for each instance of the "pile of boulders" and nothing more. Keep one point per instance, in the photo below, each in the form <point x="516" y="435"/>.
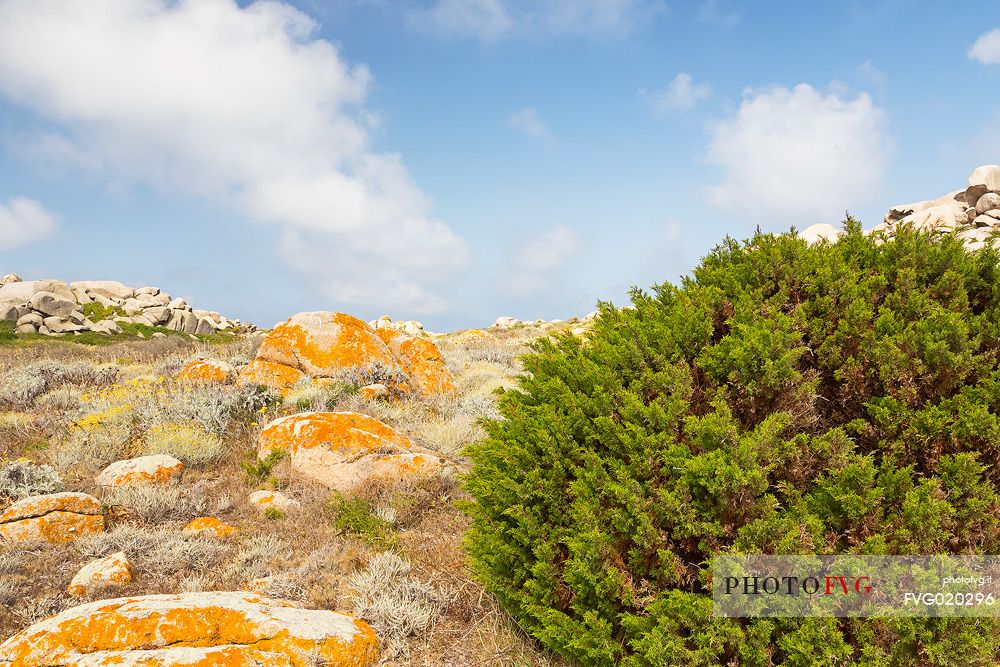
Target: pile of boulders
<point x="53" y="307"/>
<point x="973" y="213"/>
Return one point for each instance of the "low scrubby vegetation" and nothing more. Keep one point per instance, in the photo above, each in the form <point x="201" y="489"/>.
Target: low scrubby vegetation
<point x="392" y="553"/>
<point x="784" y="399"/>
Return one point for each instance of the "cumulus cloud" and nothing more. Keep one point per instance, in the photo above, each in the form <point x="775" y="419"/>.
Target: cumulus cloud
<point x="682" y="94"/>
<point x="535" y="262"/>
<point x="24" y="221"/>
<point x="528" y="123"/>
<point x="987" y="48"/>
<point x="798" y="156"/>
<point x="491" y="20"/>
<point x="245" y="106"/>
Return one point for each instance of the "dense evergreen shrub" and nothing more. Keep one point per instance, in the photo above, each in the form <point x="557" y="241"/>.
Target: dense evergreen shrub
<point x="785" y="399"/>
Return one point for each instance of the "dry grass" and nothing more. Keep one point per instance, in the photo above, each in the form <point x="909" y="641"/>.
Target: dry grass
<point x="418" y="596"/>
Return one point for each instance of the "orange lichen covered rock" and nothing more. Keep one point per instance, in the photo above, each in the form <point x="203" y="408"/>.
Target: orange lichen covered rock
<point x="422" y="362"/>
<point x="206" y="370"/>
<point x="322" y="344"/>
<point x="373" y="391"/>
<point x="154" y="469"/>
<point x="208" y="525"/>
<point x="57" y="517"/>
<point x="269" y="374"/>
<point x="272" y="500"/>
<point x="345" y="449"/>
<point x="206" y="628"/>
<point x="113" y="571"/>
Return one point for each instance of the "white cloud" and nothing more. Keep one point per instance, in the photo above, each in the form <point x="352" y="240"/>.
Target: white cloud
<point x="24" y="221"/>
<point x="245" y="106"/>
<point x="798" y="156"/>
<point x="528" y="122"/>
<point x="491" y="20"/>
<point x="987" y="48"/>
<point x="682" y="94"/>
<point x="532" y="267"/>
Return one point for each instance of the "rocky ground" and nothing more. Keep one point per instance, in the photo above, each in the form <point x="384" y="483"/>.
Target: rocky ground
<point x="246" y="490"/>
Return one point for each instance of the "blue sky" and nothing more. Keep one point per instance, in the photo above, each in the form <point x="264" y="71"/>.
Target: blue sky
<point x="457" y="160"/>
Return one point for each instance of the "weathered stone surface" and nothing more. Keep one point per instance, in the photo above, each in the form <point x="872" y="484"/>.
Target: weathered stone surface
<point x="988" y="202"/>
<point x="111" y="289"/>
<point x="31" y="318"/>
<point x="52" y="304"/>
<point x="268" y="374"/>
<point x="322" y="344"/>
<point x="158" y="314"/>
<point x="208" y="525"/>
<point x="343" y="450"/>
<point x="943" y="218"/>
<point x="266" y="500"/>
<point x="372" y="391"/>
<point x="114" y="571"/>
<point x="206" y="370"/>
<point x="206" y="628"/>
<point x="9" y="278"/>
<point x="422" y="362"/>
<point x="152" y="469"/>
<point x="56" y="517"/>
<point x="21" y="292"/>
<point x="9" y="312"/>
<point x="58" y="325"/>
<point x="987" y="176"/>
<point x="820" y="232"/>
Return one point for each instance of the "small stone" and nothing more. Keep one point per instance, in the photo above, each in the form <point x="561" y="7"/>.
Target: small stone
<point x="266" y="500"/>
<point x="208" y="525"/>
<point x="114" y="571"/>
<point x="154" y="469"/>
<point x="373" y="391"/>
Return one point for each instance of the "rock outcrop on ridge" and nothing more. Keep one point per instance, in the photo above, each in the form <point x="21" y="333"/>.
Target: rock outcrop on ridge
<point x="972" y="213"/>
<point x="55" y="307"/>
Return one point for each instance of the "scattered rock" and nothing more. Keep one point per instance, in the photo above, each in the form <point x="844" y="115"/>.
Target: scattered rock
<point x="56" y="517"/>
<point x="507" y="322"/>
<point x="343" y="450"/>
<point x="206" y="370"/>
<point x="208" y="525"/>
<point x="266" y="500"/>
<point x="114" y="571"/>
<point x="373" y="391"/>
<point x="408" y="327"/>
<point x="206" y="628"/>
<point x="153" y="469"/>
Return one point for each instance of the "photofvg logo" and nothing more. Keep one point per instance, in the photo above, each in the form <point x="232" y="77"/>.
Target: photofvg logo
<point x="789" y="585"/>
<point x="862" y="586"/>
